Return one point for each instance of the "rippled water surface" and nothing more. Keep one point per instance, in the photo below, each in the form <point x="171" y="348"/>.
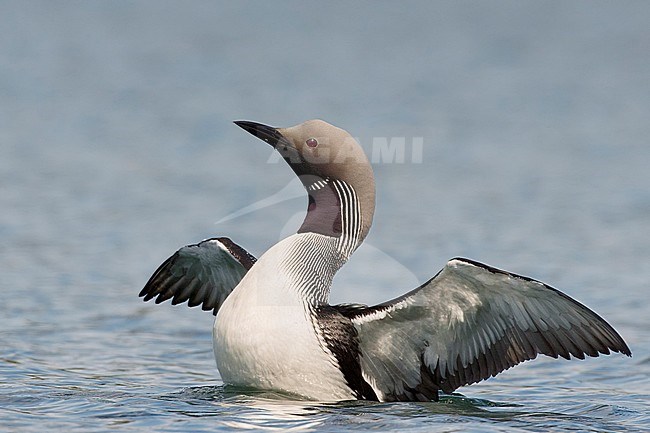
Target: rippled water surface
<point x="117" y="147"/>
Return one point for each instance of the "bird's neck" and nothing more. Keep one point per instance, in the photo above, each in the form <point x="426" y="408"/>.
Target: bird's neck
<point x="334" y="211"/>
<point x="296" y="271"/>
<point x="302" y="266"/>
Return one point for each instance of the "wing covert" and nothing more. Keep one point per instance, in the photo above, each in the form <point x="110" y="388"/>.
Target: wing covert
<point x="468" y="323"/>
<point x="199" y="274"/>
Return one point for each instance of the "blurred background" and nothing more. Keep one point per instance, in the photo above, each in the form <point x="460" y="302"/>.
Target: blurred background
<point x="117" y="147"/>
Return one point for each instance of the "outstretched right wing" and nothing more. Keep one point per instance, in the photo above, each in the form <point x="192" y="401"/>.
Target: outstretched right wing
<point x="201" y="274"/>
<point x="468" y="323"/>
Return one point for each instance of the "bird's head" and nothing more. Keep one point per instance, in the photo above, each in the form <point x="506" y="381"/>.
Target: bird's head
<point x="334" y="170"/>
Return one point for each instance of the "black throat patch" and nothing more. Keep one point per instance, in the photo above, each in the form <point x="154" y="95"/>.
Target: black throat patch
<point x="324" y="210"/>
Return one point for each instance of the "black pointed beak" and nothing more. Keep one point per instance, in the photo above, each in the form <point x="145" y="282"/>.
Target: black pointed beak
<point x="279" y="142"/>
<point x="263" y="132"/>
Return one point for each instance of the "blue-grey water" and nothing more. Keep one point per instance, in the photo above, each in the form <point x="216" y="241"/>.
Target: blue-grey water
<point x="514" y="133"/>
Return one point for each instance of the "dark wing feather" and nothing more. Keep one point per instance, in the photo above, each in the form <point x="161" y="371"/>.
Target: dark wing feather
<point x="468" y="323"/>
<point x="200" y="274"/>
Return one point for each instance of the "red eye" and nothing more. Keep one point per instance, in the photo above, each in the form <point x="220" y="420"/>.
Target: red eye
<point x="311" y="142"/>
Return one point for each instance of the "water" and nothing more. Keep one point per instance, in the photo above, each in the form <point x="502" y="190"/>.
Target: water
<point x="117" y="148"/>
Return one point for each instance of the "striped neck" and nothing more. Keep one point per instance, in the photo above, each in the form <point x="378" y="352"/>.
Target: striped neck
<point x="334" y="210"/>
<point x="309" y="261"/>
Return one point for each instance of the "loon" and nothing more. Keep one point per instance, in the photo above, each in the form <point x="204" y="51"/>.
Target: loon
<point x="275" y="329"/>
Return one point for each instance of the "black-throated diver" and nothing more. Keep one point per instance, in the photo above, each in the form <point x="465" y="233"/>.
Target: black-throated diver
<point x="274" y="328"/>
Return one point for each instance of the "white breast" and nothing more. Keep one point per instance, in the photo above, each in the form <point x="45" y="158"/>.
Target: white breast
<point x="264" y="335"/>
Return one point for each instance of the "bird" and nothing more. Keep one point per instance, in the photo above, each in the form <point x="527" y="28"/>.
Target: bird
<point x="275" y="329"/>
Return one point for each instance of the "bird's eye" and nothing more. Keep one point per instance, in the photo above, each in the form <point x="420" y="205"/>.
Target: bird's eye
<point x="312" y="142"/>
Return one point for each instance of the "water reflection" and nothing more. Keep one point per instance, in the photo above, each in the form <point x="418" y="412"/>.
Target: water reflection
<point x="242" y="408"/>
<point x="239" y="407"/>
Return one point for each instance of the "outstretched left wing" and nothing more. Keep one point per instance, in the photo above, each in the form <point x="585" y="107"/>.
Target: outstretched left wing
<point x="201" y="274"/>
<point x="468" y="323"/>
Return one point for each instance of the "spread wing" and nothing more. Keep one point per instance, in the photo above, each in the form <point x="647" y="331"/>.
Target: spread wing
<point x="201" y="274"/>
<point x="468" y="323"/>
